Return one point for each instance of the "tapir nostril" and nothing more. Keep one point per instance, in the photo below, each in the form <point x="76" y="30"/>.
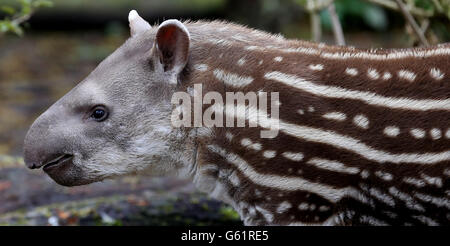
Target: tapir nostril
<point x="33" y="165"/>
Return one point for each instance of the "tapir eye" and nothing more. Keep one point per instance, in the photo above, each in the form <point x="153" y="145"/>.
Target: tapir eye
<point x="99" y="114"/>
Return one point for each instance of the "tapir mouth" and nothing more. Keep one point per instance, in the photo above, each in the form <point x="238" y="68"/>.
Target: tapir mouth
<point x="57" y="162"/>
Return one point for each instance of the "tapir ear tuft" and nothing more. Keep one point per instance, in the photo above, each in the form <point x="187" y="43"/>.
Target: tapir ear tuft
<point x="137" y="24"/>
<point x="172" y="45"/>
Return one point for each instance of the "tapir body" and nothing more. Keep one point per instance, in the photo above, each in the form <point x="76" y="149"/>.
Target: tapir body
<point x="362" y="136"/>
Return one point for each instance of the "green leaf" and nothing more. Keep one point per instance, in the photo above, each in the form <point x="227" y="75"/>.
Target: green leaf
<point x="425" y="4"/>
<point x="15" y="29"/>
<point x="301" y="2"/>
<point x="25" y="2"/>
<point x="4" y="26"/>
<point x="42" y="3"/>
<point x="8" y="10"/>
<point x="26" y="7"/>
<point x="376" y="17"/>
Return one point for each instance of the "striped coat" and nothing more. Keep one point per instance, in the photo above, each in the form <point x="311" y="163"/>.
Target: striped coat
<point x="364" y="135"/>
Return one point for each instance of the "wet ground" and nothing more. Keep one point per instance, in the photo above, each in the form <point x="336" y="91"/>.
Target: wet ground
<point x="32" y="198"/>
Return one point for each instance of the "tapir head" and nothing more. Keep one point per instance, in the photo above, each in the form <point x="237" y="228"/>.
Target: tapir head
<point x="117" y="120"/>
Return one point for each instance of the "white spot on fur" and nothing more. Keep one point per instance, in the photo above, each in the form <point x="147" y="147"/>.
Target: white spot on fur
<point x="229" y="136"/>
<point x="447" y="172"/>
<point x="311" y="109"/>
<point x="241" y="62"/>
<point x="293" y="156"/>
<point x="316" y="67"/>
<point x="232" y="79"/>
<point x="417" y="133"/>
<point x="332" y="166"/>
<point x="324" y="208"/>
<point x="361" y="121"/>
<point x="246" y="142"/>
<point x="303" y="206"/>
<point x="413" y="181"/>
<point x="373" y="74"/>
<point x="391" y="131"/>
<point x="234" y="179"/>
<point x="365" y="174"/>
<point x="278" y="59"/>
<point x="384" y="175"/>
<point x="258" y="193"/>
<point x="267" y="215"/>
<point x="301" y="111"/>
<point x="408" y="75"/>
<point x="426" y="220"/>
<point x="269" y="154"/>
<point x="436" y="74"/>
<point x="201" y="67"/>
<point x="447" y="134"/>
<point x="260" y="62"/>
<point x="351" y="71"/>
<point x="283" y="207"/>
<point x="435" y="133"/>
<point x="338" y="116"/>
<point x="432" y="180"/>
<point x="387" y="75"/>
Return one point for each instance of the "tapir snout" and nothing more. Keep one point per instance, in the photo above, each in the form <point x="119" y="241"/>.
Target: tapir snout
<point x="44" y="145"/>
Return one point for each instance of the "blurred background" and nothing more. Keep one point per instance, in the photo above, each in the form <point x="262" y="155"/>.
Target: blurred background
<point x="48" y="46"/>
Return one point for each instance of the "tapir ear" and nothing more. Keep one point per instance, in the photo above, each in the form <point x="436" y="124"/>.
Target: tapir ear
<point x="137" y="24"/>
<point x="172" y="45"/>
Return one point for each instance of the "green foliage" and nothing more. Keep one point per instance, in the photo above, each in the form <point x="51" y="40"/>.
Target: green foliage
<point x="228" y="213"/>
<point x="15" y="17"/>
<point x="437" y="7"/>
<point x="373" y="13"/>
<point x="370" y="14"/>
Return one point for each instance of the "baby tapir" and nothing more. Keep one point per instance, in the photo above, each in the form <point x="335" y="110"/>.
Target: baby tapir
<point x="330" y="135"/>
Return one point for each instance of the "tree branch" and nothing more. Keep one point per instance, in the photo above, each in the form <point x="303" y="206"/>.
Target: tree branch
<point x="439" y="7"/>
<point x="318" y="5"/>
<point x="21" y="19"/>
<point x="417" y="30"/>
<point x="316" y="27"/>
<point x="413" y="10"/>
<point x="337" y="28"/>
